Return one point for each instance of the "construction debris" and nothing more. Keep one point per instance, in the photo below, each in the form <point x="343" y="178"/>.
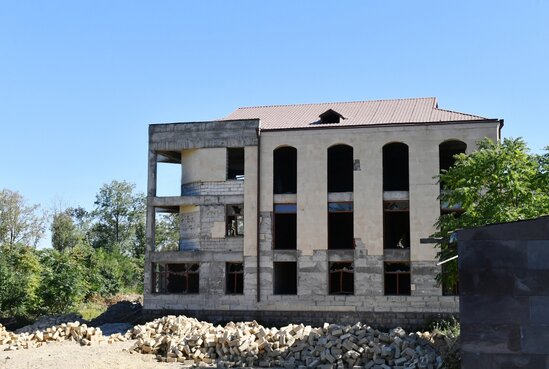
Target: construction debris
<point x="74" y="331"/>
<point x="295" y="346"/>
<point x="188" y="341"/>
<point x="47" y="321"/>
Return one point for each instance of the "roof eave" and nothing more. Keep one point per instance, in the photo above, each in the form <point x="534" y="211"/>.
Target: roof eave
<point x="487" y="120"/>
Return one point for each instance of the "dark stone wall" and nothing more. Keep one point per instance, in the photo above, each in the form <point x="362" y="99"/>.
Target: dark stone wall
<point x="504" y="295"/>
<point x="410" y="321"/>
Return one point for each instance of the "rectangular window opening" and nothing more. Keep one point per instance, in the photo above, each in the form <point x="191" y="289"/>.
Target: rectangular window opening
<point x="180" y="278"/>
<point x="234" y="277"/>
<point x="397" y="279"/>
<point x="396" y="225"/>
<point x="342" y="281"/>
<point x="235" y="163"/>
<point x="285" y="227"/>
<point x="167" y="230"/>
<point x="340" y="226"/>
<point x="234" y="220"/>
<point x="284" y="278"/>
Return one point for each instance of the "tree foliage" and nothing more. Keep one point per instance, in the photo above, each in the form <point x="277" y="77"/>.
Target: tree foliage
<point x="20" y="268"/>
<point x="98" y="252"/>
<point x="61" y="287"/>
<point x="167" y="231"/>
<point x="65" y="235"/>
<point x="500" y="182"/>
<point x="19" y="223"/>
<point x="118" y="214"/>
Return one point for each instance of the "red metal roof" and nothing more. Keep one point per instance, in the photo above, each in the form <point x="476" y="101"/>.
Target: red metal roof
<point x="356" y="113"/>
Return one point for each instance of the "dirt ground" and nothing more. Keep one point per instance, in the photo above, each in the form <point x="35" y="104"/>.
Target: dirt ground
<point x="70" y="355"/>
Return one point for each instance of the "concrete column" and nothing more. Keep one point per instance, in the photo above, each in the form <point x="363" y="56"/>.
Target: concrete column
<point x="312" y="198"/>
<point x="368" y="193"/>
<point x="266" y="185"/>
<point x="250" y="200"/>
<point x="151" y="180"/>
<point x="424" y="190"/>
<point x="150" y="220"/>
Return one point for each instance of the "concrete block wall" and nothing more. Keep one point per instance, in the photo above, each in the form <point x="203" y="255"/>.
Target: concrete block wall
<point x="312" y="257"/>
<point x="213" y="188"/>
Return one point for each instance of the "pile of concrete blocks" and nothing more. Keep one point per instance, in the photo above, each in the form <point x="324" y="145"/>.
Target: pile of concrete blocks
<point x="186" y="340"/>
<point x="66" y="331"/>
<point x="46" y="321"/>
<point x="5" y="336"/>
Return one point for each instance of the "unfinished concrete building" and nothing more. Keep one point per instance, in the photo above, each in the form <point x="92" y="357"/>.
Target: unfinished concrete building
<point x="308" y="212"/>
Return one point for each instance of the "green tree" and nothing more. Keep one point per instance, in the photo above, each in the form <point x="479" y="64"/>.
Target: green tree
<point x="64" y="233"/>
<point x="500" y="182"/>
<point x="167" y="231"/>
<point x="19" y="223"/>
<point x="20" y="270"/>
<point x="62" y="285"/>
<point x="118" y="212"/>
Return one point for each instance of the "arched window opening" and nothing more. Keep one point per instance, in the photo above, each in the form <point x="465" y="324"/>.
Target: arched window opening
<point x="447" y="150"/>
<point x="340" y="168"/>
<point x="395" y="167"/>
<point x="285" y="170"/>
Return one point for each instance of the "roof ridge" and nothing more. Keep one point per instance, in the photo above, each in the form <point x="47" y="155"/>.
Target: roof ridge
<point x="336" y="102"/>
<point x="459" y="112"/>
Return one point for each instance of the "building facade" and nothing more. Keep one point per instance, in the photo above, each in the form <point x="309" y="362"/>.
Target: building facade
<point x="314" y="209"/>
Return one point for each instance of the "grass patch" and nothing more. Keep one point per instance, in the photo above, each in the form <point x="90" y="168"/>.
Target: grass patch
<point x="446" y="339"/>
<point x="91" y="309"/>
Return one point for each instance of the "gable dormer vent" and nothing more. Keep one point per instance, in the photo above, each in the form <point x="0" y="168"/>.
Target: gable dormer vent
<point x="330" y="116"/>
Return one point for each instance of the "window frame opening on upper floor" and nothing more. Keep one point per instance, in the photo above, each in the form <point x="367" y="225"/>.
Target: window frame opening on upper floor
<point x="396" y="167"/>
<point x="234" y="220"/>
<point x="284" y="278"/>
<point x="175" y="278"/>
<point x="341" y="226"/>
<point x="284" y="227"/>
<point x="396" y="224"/>
<point x="285" y="170"/>
<point x="169" y="173"/>
<point x="447" y="151"/>
<point x="235" y="163"/>
<point x="167" y="229"/>
<point x="397" y="279"/>
<point x="341" y="278"/>
<point x="340" y="168"/>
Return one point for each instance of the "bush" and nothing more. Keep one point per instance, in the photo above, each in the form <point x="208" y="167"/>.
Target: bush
<point x="446" y="338"/>
<point x="34" y="282"/>
<point x="61" y="285"/>
<point x="19" y="276"/>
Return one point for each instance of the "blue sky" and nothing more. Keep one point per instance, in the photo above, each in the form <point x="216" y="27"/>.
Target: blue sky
<point x="81" y="80"/>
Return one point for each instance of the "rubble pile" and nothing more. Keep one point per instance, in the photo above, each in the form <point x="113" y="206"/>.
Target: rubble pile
<point x="47" y="321"/>
<point x="186" y="340"/>
<point x="74" y="331"/>
<point x="4" y="334"/>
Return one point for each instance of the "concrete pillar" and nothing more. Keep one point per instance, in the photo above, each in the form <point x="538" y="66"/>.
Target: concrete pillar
<point x="250" y="200"/>
<point x="368" y="193"/>
<point x="424" y="190"/>
<point x="151" y="180"/>
<point x="312" y="198"/>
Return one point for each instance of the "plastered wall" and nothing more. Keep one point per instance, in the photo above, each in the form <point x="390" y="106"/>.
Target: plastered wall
<point x="312" y="197"/>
